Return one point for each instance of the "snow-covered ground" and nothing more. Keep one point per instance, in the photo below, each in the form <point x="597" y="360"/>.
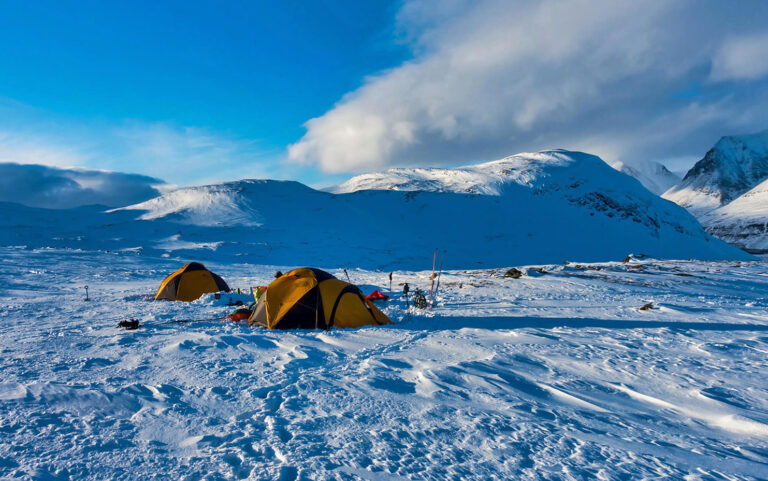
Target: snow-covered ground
<point x="555" y="375"/>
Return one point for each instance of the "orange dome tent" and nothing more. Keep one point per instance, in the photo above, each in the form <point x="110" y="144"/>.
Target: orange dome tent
<point x="308" y="298"/>
<point x="189" y="283"/>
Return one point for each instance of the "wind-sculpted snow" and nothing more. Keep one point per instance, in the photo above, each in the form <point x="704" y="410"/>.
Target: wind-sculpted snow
<point x="555" y="375"/>
<point x="205" y="206"/>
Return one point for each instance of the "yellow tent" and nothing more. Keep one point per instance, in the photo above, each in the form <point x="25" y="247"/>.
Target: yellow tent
<point x="189" y="283"/>
<point x="308" y="298"/>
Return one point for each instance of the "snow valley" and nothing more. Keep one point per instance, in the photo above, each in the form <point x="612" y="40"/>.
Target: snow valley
<point x="520" y="209"/>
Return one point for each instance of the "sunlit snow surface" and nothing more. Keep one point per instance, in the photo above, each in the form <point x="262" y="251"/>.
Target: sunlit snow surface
<point x="550" y="376"/>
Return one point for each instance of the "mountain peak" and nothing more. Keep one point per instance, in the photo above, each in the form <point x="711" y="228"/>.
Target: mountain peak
<point x="729" y="169"/>
<point x="485" y="178"/>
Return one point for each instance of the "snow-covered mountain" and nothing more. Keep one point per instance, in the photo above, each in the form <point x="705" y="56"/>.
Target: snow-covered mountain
<point x="732" y="167"/>
<point x="488" y="177"/>
<point x="653" y="175"/>
<point x="544" y="207"/>
<point x="209" y="205"/>
<point x="536" y="207"/>
<point x="744" y="221"/>
<point x="727" y="191"/>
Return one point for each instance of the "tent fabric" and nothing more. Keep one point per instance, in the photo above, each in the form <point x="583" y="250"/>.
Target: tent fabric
<point x="189" y="283"/>
<point x="308" y="298"/>
<point x="377" y="295"/>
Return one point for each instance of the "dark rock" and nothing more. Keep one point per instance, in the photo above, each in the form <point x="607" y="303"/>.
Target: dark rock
<point x="513" y="273"/>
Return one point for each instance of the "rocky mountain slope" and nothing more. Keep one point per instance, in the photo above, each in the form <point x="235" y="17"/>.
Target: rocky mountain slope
<point x="728" y="191"/>
<point x="732" y="167"/>
<point x="744" y="221"/>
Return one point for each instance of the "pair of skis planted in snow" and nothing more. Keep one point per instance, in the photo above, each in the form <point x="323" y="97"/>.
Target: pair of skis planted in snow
<point x="434" y="260"/>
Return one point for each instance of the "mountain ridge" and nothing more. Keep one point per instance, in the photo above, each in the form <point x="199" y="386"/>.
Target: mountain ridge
<point x="734" y="165"/>
<point x="541" y="207"/>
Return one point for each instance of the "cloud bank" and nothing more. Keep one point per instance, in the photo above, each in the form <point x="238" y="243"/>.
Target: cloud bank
<point x="624" y="79"/>
<point x="57" y="188"/>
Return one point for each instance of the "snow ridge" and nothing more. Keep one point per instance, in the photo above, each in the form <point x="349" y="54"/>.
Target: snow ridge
<point x="487" y="178"/>
<point x="543" y="207"/>
<point x="229" y="203"/>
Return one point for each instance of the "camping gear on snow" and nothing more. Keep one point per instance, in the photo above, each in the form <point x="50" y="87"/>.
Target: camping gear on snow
<point x="129" y="324"/>
<point x="308" y="298"/>
<point x="239" y="314"/>
<point x="189" y="283"/>
<point x="419" y="299"/>
<point x="258" y="291"/>
<point x="377" y="296"/>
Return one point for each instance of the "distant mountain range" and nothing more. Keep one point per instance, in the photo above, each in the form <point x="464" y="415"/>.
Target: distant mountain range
<point x="727" y="191"/>
<point x="653" y="175"/>
<point x="534" y="208"/>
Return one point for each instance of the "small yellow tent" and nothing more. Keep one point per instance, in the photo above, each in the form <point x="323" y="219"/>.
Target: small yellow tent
<point x="189" y="283"/>
<point x="308" y="298"/>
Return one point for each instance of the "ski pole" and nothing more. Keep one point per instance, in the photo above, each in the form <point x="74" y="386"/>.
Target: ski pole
<point x="434" y="258"/>
<point x="390" y="285"/>
<point x="406" y="288"/>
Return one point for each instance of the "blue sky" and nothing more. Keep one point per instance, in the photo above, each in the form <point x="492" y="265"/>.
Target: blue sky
<point x="195" y="92"/>
<point x="248" y="72"/>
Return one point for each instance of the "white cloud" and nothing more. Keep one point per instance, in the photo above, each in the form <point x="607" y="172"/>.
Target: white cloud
<point x="57" y="188"/>
<point x="495" y="77"/>
<point x="22" y="149"/>
<point x="184" y="154"/>
<point x="742" y="58"/>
